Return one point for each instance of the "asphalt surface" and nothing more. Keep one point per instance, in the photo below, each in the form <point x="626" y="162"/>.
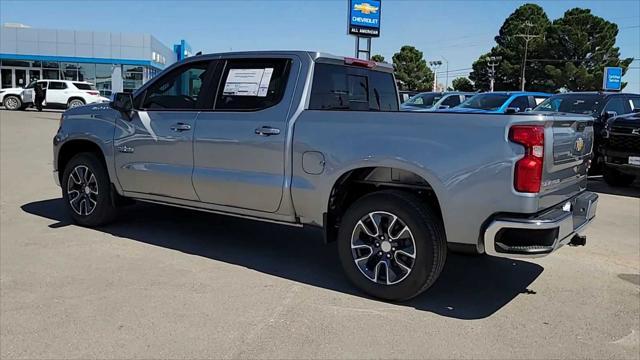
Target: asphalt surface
<point x="172" y="283"/>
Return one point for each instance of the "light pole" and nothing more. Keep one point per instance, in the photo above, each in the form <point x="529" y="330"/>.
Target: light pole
<point x="434" y="66"/>
<point x="493" y="61"/>
<point x="446" y="61"/>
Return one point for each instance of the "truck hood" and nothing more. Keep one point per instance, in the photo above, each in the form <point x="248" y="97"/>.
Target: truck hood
<point x="12" y="91"/>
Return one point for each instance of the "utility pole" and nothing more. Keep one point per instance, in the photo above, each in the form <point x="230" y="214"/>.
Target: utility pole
<point x="493" y="61"/>
<point x="527" y="37"/>
<point x="434" y="66"/>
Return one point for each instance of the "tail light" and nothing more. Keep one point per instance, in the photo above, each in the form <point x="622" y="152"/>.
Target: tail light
<point x="528" y="172"/>
<point x="94" y="93"/>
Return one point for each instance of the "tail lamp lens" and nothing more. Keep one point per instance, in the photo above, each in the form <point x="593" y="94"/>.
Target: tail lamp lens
<point x="528" y="171"/>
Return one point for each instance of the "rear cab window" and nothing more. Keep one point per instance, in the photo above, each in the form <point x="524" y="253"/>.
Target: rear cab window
<point x="351" y="88"/>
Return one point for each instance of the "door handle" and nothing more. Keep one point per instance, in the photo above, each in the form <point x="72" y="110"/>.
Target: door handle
<point x="180" y="127"/>
<point x="267" y="131"/>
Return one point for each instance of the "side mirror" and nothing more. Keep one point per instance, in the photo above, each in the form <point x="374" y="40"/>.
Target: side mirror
<point x="444" y="107"/>
<point x="122" y="102"/>
<point x="609" y="114"/>
<point x="512" y="110"/>
<point x="528" y="109"/>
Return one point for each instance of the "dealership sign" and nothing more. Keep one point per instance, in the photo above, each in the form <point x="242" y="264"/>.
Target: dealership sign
<point x="612" y="79"/>
<point x="364" y="17"/>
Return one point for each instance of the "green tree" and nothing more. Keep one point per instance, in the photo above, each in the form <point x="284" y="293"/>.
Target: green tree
<point x="462" y="84"/>
<point x="580" y="45"/>
<point x="411" y="69"/>
<point x="378" y="58"/>
<point x="528" y="19"/>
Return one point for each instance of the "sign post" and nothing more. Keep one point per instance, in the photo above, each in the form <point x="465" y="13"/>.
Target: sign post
<point x="364" y="23"/>
<point x="612" y="79"/>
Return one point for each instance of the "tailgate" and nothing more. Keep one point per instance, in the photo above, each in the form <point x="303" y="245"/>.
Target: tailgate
<point x="568" y="151"/>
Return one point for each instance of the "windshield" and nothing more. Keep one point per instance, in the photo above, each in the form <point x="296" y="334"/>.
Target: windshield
<point x="485" y="102"/>
<point x="572" y="103"/>
<point x="423" y="100"/>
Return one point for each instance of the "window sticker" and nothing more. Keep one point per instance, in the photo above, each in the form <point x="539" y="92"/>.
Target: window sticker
<point x="248" y="82"/>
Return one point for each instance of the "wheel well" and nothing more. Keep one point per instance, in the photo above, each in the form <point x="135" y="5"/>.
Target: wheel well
<point x="74" y="147"/>
<point x="359" y="182"/>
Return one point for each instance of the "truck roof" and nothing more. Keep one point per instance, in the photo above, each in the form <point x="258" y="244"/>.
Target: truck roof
<point x="312" y="55"/>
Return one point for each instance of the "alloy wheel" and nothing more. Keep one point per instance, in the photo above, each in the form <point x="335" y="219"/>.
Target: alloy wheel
<point x="383" y="248"/>
<point x="11" y="103"/>
<point x="82" y="190"/>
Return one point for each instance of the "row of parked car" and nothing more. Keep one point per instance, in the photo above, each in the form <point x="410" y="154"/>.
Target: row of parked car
<point x="616" y="120"/>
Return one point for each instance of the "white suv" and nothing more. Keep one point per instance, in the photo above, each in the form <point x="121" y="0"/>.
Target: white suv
<point x="59" y="94"/>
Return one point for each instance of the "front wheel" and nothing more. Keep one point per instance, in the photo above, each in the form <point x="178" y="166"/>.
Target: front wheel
<point x="86" y="190"/>
<point x="12" y="102"/>
<point x="391" y="245"/>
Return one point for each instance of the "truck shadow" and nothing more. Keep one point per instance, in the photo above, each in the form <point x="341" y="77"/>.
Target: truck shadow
<point x="470" y="287"/>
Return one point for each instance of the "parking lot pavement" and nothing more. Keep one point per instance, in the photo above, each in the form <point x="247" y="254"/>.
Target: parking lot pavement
<point x="172" y="283"/>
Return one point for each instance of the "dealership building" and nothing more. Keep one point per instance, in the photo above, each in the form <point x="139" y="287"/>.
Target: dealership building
<point x="113" y="61"/>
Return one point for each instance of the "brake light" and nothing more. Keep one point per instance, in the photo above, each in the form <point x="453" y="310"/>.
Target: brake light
<point x="360" y="62"/>
<point x="94" y="93"/>
<point x="528" y="171"/>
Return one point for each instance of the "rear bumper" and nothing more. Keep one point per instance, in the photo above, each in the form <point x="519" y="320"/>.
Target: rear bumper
<point x="542" y="234"/>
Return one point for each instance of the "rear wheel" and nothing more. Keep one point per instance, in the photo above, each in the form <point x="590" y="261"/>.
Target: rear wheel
<point x="614" y="177"/>
<point x="12" y="102"/>
<point x="86" y="189"/>
<point x="391" y="245"/>
<point x="75" y="103"/>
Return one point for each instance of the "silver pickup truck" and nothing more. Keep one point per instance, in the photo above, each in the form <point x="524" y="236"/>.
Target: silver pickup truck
<point x="310" y="139"/>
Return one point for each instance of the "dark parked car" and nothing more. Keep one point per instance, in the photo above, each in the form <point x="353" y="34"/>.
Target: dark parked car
<point x="620" y="150"/>
<point x="601" y="105"/>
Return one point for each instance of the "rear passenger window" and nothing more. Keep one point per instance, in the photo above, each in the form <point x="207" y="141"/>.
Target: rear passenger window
<point x="83" y="86"/>
<point x="252" y="84"/>
<point x="451" y="101"/>
<point x="337" y="87"/>
<point x="57" y="85"/>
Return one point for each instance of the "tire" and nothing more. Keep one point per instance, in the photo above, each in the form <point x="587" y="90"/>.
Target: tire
<point x="615" y="178"/>
<point x="75" y="103"/>
<point x="425" y="230"/>
<point x="12" y="102"/>
<point x="75" y="182"/>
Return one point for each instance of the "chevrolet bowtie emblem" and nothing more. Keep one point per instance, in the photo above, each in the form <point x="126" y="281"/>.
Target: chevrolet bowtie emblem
<point x="635" y="131"/>
<point x="579" y="144"/>
<point x="365" y="8"/>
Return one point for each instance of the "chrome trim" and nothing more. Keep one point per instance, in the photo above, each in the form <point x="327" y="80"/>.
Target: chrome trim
<point x="565" y="223"/>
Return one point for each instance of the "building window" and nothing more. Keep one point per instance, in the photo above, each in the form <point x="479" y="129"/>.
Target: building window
<point x="132" y="77"/>
<point x="87" y="72"/>
<point x="103" y="79"/>
<point x="69" y="71"/>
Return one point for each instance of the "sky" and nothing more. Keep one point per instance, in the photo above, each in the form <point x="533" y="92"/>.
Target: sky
<point x="457" y="31"/>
